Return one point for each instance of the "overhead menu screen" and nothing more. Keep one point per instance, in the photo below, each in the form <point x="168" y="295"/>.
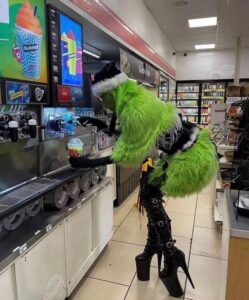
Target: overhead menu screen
<point x="71" y="52"/>
<point x="66" y="59"/>
<point x="23" y="40"/>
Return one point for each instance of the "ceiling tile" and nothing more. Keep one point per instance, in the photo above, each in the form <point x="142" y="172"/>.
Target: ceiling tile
<point x="233" y="21"/>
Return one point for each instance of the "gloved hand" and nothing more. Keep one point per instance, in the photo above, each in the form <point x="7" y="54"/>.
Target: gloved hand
<point x="85" y="162"/>
<point x="79" y="162"/>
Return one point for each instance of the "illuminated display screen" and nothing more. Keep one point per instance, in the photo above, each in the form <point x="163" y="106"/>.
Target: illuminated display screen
<point x="71" y="52"/>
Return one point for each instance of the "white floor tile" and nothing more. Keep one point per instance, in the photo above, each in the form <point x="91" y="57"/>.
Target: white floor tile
<point x="205" y="218"/>
<point x="210" y="242"/>
<point x="182" y="225"/>
<point x="117" y="263"/>
<point x="182" y="205"/>
<point x="120" y="213"/>
<point x="115" y="228"/>
<point x="204" y="201"/>
<point x="93" y="289"/>
<point x="132" y="231"/>
<point x="152" y="289"/>
<point x="209" y="276"/>
<point x="135" y="213"/>
<point x="207" y="190"/>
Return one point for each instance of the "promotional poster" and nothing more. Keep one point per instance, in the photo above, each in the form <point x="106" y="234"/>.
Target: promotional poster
<point x="23" y="40"/>
<point x="71" y="52"/>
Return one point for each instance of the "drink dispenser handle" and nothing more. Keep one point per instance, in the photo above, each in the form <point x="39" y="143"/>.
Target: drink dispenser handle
<point x="32" y="123"/>
<point x="13" y="131"/>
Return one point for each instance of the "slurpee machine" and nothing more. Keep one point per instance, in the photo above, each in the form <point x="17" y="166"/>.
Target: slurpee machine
<point x="37" y="119"/>
<point x="24" y="90"/>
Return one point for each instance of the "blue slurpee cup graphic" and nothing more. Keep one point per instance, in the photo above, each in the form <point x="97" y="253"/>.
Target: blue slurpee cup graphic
<point x="30" y="47"/>
<point x="29" y="38"/>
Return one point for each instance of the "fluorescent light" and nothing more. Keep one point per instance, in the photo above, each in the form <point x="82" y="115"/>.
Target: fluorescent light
<point x="91" y="53"/>
<point x="202" y="22"/>
<point x="204" y="46"/>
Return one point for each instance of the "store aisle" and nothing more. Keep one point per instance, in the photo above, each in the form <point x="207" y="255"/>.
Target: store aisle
<point x="113" y="275"/>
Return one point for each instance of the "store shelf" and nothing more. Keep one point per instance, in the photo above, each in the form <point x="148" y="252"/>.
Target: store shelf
<point x="190" y="115"/>
<point x="188" y="107"/>
<point x="196" y="92"/>
<point x="212" y="98"/>
<point x="186" y="99"/>
<point x="214" y="90"/>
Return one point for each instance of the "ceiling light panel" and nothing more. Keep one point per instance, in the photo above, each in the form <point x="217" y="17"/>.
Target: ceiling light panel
<point x="204" y="46"/>
<point x="202" y="22"/>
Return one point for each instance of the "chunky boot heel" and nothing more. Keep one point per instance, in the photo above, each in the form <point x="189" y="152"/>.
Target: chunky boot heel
<point x="143" y="269"/>
<point x="173" y="286"/>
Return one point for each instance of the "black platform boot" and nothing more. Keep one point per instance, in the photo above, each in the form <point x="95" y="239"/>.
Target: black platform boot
<point x="143" y="260"/>
<point x="173" y="257"/>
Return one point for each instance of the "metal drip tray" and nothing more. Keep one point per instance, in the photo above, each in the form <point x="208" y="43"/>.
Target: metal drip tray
<point x="67" y="175"/>
<point x="26" y="193"/>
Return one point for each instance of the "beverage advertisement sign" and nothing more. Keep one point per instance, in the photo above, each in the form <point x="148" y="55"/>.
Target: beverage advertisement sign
<point x="71" y="52"/>
<point x="23" y="40"/>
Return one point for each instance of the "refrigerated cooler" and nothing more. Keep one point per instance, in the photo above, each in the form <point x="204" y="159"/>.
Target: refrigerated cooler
<point x="163" y="89"/>
<point x="187" y="99"/>
<point x="212" y="93"/>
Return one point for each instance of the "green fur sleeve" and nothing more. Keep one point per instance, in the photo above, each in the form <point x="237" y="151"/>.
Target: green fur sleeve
<point x="143" y="118"/>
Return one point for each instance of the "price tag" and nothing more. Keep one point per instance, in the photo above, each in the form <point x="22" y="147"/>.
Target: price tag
<point x="23" y="248"/>
<point x="48" y="227"/>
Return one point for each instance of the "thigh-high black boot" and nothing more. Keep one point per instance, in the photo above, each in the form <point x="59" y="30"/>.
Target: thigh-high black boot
<point x="143" y="260"/>
<point x="173" y="257"/>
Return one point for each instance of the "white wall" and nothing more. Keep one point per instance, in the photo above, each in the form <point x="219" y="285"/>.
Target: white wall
<point x="218" y="64"/>
<point x="136" y="15"/>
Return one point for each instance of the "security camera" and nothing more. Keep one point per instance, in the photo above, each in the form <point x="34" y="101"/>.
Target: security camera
<point x="185" y="54"/>
<point x="174" y="53"/>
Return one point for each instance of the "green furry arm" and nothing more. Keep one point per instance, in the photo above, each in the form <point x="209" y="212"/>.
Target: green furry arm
<point x="143" y="118"/>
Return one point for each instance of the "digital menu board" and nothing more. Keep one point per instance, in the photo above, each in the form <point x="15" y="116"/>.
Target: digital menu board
<point x="23" y="40"/>
<point x="71" y="52"/>
<point x="66" y="64"/>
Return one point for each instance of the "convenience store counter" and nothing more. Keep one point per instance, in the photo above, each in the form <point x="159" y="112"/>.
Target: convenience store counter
<point x="238" y="228"/>
<point x="238" y="257"/>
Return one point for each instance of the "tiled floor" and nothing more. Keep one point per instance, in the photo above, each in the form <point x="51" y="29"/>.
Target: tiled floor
<point x="113" y="276"/>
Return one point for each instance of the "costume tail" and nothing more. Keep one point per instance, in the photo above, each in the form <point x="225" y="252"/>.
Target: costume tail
<point x="187" y="172"/>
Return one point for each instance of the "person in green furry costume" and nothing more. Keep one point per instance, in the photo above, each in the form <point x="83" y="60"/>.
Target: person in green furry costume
<point x="187" y="164"/>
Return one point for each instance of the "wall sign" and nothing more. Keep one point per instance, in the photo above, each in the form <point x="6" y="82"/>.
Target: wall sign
<point x="23" y="40"/>
<point x="152" y="75"/>
<point x="133" y="67"/>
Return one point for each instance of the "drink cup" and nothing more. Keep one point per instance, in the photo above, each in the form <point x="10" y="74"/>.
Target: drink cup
<point x="75" y="147"/>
